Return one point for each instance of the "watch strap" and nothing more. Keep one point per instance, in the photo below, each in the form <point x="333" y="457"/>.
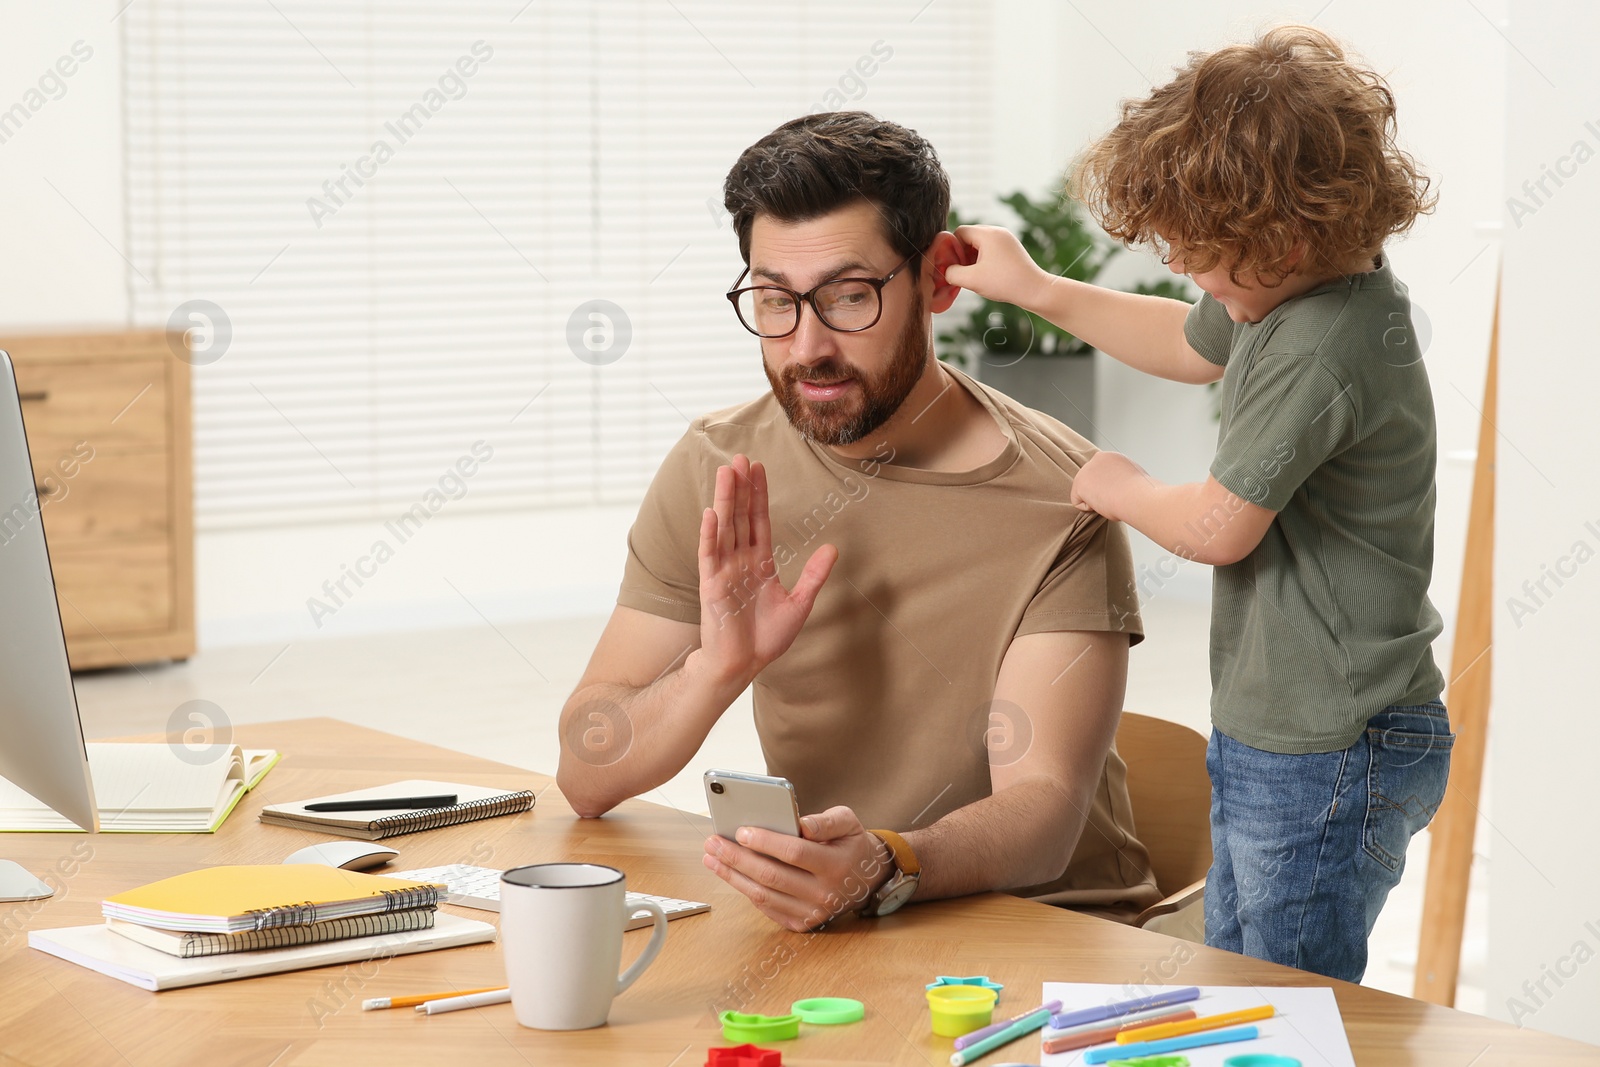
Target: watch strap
<point x="905" y="857"/>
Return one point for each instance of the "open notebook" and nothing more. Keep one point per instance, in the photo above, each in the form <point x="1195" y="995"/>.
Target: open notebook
<point x="150" y="787"/>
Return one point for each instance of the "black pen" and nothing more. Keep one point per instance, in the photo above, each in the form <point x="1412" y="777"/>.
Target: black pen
<point x="443" y="800"/>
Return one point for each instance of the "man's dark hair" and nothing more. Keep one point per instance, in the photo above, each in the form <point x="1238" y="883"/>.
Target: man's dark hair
<point x="813" y="165"/>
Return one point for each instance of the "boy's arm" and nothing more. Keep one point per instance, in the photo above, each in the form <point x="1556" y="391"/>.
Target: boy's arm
<point x="1145" y="332"/>
<point x="1202" y="521"/>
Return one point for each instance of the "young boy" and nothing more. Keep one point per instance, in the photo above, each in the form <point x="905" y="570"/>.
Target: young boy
<point x="1269" y="174"/>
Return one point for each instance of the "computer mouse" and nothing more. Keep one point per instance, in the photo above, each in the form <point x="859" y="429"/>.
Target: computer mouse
<point x="351" y="855"/>
<point x="17" y="884"/>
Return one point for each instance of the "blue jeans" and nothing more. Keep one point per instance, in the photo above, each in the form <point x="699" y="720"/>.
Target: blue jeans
<point x="1306" y="847"/>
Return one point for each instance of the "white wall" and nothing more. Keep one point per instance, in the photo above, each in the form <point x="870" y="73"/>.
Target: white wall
<point x="61" y="256"/>
<point x="1544" y="925"/>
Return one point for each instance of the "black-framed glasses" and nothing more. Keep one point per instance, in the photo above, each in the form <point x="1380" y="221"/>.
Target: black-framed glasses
<point x="848" y="305"/>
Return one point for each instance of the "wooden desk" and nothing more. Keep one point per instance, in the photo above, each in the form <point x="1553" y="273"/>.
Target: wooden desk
<point x="52" y="1012"/>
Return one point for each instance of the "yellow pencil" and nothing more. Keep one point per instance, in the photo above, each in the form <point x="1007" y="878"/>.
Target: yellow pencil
<point x="1161" y="1031"/>
<point x="378" y="1003"/>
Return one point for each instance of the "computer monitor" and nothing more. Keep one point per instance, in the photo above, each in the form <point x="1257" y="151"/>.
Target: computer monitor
<point x="41" y="736"/>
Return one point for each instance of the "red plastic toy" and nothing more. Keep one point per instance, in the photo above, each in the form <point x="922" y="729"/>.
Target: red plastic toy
<point x="744" y="1056"/>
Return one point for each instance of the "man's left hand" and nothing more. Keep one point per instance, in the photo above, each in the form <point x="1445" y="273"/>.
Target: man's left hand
<point x="800" y="883"/>
<point x="1103" y="484"/>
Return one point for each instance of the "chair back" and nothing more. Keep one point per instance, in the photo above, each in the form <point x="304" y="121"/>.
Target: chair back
<point x="1171" y="797"/>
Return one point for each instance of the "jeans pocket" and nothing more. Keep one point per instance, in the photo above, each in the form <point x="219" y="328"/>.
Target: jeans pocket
<point x="1408" y="769"/>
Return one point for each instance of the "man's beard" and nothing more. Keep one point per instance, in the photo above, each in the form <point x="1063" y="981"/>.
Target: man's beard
<point x="850" y="418"/>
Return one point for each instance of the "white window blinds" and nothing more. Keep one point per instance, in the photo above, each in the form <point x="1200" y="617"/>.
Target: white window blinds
<point x="399" y="207"/>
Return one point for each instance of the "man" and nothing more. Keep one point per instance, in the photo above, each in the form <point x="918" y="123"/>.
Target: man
<point x="948" y="668"/>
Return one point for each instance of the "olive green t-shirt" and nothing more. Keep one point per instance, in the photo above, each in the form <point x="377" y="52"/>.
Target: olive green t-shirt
<point x="1327" y="419"/>
<point x="885" y="700"/>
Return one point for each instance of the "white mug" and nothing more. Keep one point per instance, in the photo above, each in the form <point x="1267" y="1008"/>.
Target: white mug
<point x="561" y="935"/>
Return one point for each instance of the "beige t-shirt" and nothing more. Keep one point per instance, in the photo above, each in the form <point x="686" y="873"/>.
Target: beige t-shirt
<point x="883" y="701"/>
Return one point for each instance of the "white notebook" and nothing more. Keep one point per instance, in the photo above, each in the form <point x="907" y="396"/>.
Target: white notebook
<point x="98" y="949"/>
<point x="149" y="787"/>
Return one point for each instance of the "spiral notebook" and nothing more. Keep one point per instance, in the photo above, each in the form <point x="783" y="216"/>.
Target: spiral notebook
<point x="473" y="802"/>
<point x="188" y="945"/>
<point x="101" y="950"/>
<point x="227" y="900"/>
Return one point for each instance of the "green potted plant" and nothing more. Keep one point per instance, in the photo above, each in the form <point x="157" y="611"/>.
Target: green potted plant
<point x="1024" y="356"/>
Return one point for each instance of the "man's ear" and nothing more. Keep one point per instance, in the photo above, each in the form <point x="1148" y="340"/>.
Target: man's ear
<point x="946" y="251"/>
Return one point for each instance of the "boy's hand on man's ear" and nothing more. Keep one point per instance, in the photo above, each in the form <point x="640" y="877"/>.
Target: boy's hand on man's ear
<point x="996" y="266"/>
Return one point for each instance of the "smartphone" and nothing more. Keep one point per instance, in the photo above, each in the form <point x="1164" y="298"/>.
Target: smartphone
<point x="737" y="800"/>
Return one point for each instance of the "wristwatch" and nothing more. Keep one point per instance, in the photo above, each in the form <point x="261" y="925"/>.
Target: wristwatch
<point x="901" y="885"/>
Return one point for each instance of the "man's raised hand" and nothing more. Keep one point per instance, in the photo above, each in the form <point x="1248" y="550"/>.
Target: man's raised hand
<point x="747" y="618"/>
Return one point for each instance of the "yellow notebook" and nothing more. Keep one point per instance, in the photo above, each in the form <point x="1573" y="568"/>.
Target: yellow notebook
<point x="231" y="899"/>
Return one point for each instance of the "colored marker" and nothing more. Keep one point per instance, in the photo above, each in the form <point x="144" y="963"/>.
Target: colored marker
<point x="994" y="1028"/>
<point x="1171" y="1044"/>
<point x="1126" y="1007"/>
<point x="1148" y="1017"/>
<point x="1098" y="1035"/>
<point x="1159" y="1031"/>
<point x="1029" y="1023"/>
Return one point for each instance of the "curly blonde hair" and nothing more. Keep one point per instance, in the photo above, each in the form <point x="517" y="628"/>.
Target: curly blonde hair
<point x="1253" y="150"/>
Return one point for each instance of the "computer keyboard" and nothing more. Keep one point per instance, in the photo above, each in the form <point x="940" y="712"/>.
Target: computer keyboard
<point x="479" y="887"/>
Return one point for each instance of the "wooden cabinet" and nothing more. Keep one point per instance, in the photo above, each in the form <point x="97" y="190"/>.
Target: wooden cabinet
<point x="107" y="418"/>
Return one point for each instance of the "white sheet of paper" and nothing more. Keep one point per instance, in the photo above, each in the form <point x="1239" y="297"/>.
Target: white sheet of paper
<point x="1307" y="1027"/>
